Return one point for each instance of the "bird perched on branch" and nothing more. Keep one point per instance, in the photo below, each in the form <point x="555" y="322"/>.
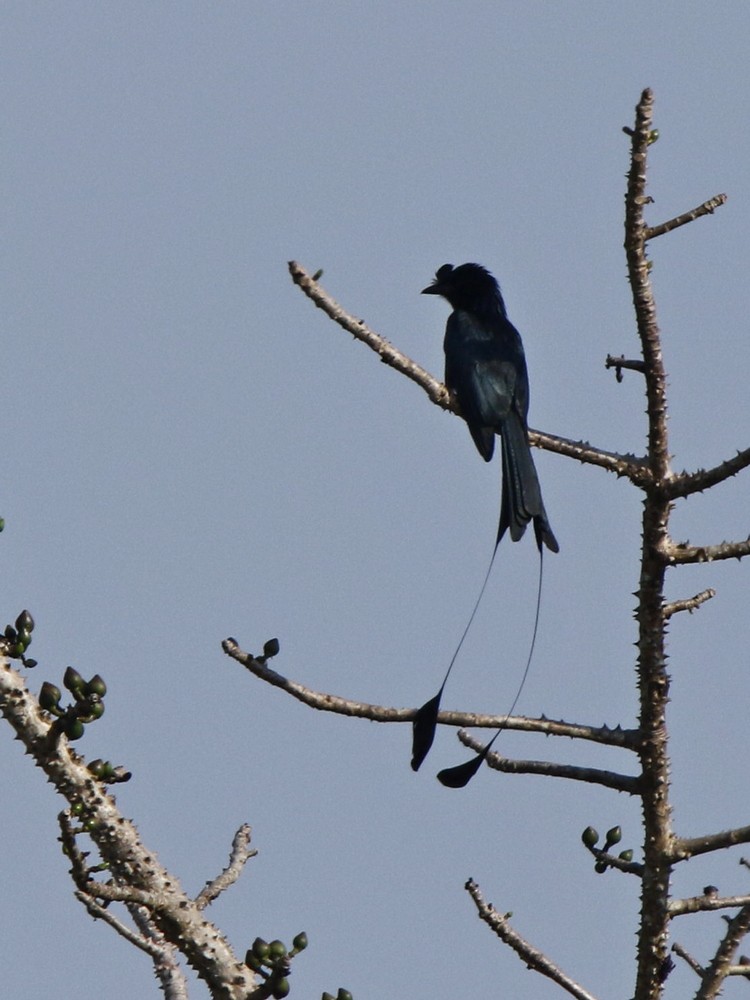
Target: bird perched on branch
<point x="485" y="367"/>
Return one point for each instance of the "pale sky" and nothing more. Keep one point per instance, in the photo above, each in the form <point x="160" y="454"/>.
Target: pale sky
<point x="193" y="451"/>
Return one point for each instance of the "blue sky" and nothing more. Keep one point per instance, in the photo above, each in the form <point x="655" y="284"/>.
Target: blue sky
<point x="193" y="451"/>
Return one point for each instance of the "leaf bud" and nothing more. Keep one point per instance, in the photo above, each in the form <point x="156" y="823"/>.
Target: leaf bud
<point x="271" y="648"/>
<point x="300" y="941"/>
<point x="590" y="837"/>
<point x="24" y="622"/>
<point x="49" y="697"/>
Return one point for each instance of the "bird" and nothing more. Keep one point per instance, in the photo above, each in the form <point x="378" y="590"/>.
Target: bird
<point x="485" y="368"/>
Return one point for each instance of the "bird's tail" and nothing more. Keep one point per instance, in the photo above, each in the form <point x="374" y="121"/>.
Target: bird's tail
<point x="521" y="493"/>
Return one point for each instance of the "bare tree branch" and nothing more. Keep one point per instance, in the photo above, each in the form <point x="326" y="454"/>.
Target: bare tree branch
<point x="592" y="775"/>
<point x="162" y="954"/>
<point x="617" y="737"/>
<point x="653" y="682"/>
<point x="687" y="957"/>
<point x="530" y="955"/>
<point x="241" y="853"/>
<point x="640" y="284"/>
<point x="685" y="484"/>
<point x="707" y="208"/>
<point x="622" y="364"/>
<point x="684" y="848"/>
<point x="678" y="553"/>
<point x="706" y="902"/>
<point x="688" y="604"/>
<point x="718" y="968"/>
<point x="166" y="964"/>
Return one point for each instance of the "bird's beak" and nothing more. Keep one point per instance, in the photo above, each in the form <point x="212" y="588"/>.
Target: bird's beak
<point x="433" y="289"/>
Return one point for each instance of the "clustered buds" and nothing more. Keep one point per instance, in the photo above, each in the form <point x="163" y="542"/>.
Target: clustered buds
<point x="105" y="771"/>
<point x="17" y="639"/>
<point x="88" y="704"/>
<point x="273" y="962"/>
<point x="613" y="836"/>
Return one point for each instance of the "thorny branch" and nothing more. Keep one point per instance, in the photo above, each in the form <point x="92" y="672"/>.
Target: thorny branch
<point x="549" y="769"/>
<point x="528" y="954"/>
<point x="241" y="854"/>
<point x="134" y="874"/>
<point x="257" y="665"/>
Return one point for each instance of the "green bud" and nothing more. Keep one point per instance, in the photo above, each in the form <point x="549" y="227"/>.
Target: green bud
<point x="343" y="995"/>
<point x="96" y="711"/>
<point x="24" y="622"/>
<point x="271" y="648"/>
<point x="252" y="961"/>
<point x="626" y="855"/>
<point x="653" y="135"/>
<point x="328" y="996"/>
<point x="49" y="697"/>
<point x="281" y="989"/>
<point x="10" y="632"/>
<point x="590" y="837"/>
<point x="300" y="941"/>
<point x="614" y="836"/>
<point x="30" y="663"/>
<point x="600" y="866"/>
<point x="73" y="729"/>
<point x="318" y="274"/>
<point x="2" y="523"/>
<point x="260" y="948"/>
<point x="96" y="686"/>
<point x="276" y="949"/>
<point x="73" y="681"/>
<point x="77" y="808"/>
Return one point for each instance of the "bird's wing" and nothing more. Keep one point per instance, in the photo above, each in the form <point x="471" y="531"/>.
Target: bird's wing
<point x="492" y="384"/>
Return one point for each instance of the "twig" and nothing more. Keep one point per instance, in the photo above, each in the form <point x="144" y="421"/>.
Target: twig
<point x="238" y="858"/>
<point x="685" y="484"/>
<point x="684" y="848"/>
<point x="592" y="775"/>
<point x="530" y="955"/>
<point x="717" y="969"/>
<point x="678" y="553"/>
<point x="688" y="604"/>
<point x="706" y="902"/>
<point x="166" y="965"/>
<point x="687" y="957"/>
<point x="98" y="912"/>
<point x="622" y="363"/>
<point x="707" y="208"/>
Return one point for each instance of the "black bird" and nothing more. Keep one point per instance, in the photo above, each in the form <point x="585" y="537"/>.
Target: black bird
<point x="485" y="367"/>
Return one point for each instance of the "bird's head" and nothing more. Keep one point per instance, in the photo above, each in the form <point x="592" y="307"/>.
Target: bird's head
<point x="468" y="287"/>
